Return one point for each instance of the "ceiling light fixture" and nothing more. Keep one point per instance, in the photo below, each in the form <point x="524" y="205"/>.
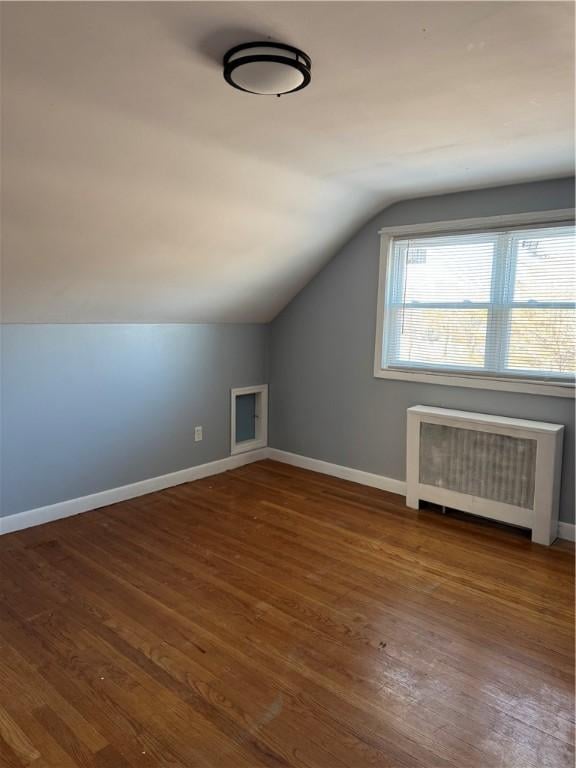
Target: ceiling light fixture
<point x="268" y="69"/>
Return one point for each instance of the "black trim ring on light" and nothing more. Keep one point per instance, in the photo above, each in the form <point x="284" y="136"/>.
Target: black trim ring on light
<point x="303" y="66"/>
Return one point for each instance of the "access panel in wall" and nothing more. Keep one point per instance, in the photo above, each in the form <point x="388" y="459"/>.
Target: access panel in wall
<point x="249" y="418"/>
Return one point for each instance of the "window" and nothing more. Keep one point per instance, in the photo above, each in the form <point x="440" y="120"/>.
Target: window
<point x="497" y="304"/>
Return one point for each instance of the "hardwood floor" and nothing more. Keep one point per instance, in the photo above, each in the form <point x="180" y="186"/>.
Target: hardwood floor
<point x="271" y="616"/>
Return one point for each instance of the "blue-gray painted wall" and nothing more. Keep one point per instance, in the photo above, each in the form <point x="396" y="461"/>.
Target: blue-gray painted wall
<point x="324" y="400"/>
<point x="86" y="408"/>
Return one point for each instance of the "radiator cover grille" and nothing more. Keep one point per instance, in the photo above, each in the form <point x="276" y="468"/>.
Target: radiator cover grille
<point x="477" y="463"/>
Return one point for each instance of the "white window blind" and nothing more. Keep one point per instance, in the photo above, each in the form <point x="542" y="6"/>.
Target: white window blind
<point x="499" y="303"/>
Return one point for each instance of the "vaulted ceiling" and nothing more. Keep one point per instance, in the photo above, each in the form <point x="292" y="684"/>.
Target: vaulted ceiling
<point x="139" y="187"/>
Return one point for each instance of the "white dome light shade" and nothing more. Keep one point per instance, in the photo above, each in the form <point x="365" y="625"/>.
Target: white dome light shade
<point x="269" y="69"/>
<point x="267" y="77"/>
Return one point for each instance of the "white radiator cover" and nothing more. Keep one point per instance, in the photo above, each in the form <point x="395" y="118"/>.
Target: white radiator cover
<point x="493" y="466"/>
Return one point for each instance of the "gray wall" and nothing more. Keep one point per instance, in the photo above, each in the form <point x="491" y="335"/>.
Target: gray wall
<point x="91" y="407"/>
<point x="325" y="401"/>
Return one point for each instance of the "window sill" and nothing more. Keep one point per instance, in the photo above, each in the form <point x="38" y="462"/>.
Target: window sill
<point x="478" y="382"/>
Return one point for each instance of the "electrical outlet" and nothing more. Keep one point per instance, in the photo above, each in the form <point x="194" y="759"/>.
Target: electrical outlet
<point x="197" y="434"/>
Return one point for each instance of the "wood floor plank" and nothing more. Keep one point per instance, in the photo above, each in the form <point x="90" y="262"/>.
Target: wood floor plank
<point x="336" y="624"/>
<point x="170" y="596"/>
<point x="15" y="738"/>
<point x="271" y="616"/>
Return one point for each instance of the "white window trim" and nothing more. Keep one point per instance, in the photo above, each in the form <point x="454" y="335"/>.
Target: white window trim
<point x="476" y="381"/>
<point x="261" y="439"/>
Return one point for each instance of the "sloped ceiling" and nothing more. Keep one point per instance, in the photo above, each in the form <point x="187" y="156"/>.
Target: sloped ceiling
<point x="139" y="187"/>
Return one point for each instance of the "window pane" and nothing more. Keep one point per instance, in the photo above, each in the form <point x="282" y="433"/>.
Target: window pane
<point x="245" y="417"/>
<point x="545" y="267"/>
<point x="444" y="337"/>
<point x="448" y="269"/>
<point x="542" y="340"/>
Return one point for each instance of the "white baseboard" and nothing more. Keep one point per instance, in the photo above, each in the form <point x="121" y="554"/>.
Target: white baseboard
<point x="338" y="470"/>
<point x="40" y="515"/>
<point x="52" y="512"/>
<point x="567" y="531"/>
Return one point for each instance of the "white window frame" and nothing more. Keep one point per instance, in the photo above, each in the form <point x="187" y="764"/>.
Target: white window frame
<point x="475" y="380"/>
<point x="261" y="427"/>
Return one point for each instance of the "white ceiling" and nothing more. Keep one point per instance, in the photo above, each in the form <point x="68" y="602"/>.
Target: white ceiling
<point x="139" y="187"/>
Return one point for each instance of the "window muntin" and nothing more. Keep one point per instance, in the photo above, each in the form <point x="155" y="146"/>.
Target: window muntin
<point x="498" y="303"/>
